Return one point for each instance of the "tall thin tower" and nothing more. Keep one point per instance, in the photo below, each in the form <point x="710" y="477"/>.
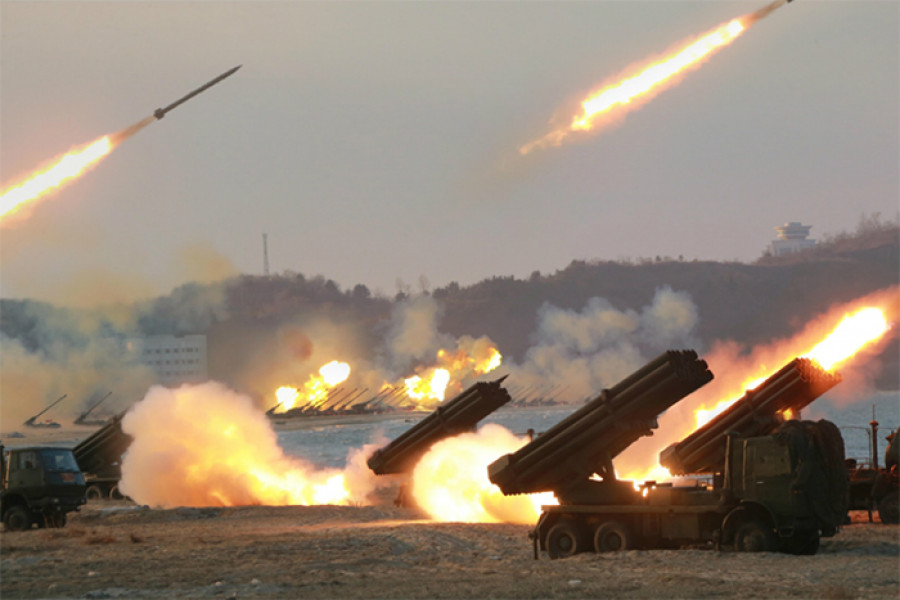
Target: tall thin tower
<point x="266" y="254"/>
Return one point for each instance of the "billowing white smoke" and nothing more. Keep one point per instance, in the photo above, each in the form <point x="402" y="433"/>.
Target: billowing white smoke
<point x="86" y="353"/>
<point x="595" y="348"/>
<point x="413" y="332"/>
<point x="33" y="380"/>
<point x="206" y="445"/>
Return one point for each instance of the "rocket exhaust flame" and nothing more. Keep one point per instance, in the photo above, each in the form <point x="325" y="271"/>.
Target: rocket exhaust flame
<point x="68" y="167"/>
<point x="316" y="388"/>
<point x="451" y="483"/>
<point x="854" y="332"/>
<point x="602" y="107"/>
<point x="840" y="338"/>
<point x="78" y="161"/>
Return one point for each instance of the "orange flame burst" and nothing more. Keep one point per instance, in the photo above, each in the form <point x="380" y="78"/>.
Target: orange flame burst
<point x="834" y="340"/>
<point x="855" y="331"/>
<point x="450" y="482"/>
<point x="432" y="386"/>
<point x="471" y="358"/>
<point x="616" y="99"/>
<point x="71" y="165"/>
<point x="206" y="445"/>
<point x="315" y="390"/>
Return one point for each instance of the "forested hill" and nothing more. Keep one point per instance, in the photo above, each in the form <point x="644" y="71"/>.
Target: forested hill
<point x="749" y="303"/>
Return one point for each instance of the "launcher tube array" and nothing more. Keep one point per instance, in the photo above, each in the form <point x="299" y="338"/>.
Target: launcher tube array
<point x="757" y="413"/>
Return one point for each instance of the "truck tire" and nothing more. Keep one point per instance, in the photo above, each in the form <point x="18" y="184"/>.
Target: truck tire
<point x="114" y="493"/>
<point x="94" y="492"/>
<point x="564" y="539"/>
<point x="613" y="536"/>
<point x="755" y="536"/>
<point x="17" y="518"/>
<point x="55" y="520"/>
<point x="889" y="508"/>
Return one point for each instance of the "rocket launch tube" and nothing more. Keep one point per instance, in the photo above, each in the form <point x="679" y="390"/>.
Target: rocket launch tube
<point x="586" y="441"/>
<point x="793" y="387"/>
<point x="459" y="415"/>
<point x="104" y="447"/>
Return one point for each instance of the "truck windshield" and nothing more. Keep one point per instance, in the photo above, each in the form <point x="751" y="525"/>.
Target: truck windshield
<point x="58" y="460"/>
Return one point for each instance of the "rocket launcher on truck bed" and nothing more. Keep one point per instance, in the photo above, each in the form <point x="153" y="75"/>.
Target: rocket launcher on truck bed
<point x="563" y="458"/>
<point x="99" y="457"/>
<point x="758" y="412"/>
<point x="459" y="415"/>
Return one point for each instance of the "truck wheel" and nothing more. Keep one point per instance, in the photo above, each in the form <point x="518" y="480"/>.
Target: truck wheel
<point x="17" y="519"/>
<point x="56" y="520"/>
<point x="114" y="493"/>
<point x="889" y="508"/>
<point x="804" y="543"/>
<point x="755" y="536"/>
<point x="93" y="492"/>
<point x="613" y="536"/>
<point x="565" y="539"/>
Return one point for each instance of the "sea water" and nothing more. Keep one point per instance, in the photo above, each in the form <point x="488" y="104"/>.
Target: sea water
<point x="329" y="445"/>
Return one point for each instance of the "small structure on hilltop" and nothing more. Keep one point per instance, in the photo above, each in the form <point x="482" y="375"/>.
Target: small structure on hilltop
<point x="792" y="237"/>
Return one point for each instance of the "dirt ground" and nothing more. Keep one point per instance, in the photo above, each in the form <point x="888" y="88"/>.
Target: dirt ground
<point x="119" y="550"/>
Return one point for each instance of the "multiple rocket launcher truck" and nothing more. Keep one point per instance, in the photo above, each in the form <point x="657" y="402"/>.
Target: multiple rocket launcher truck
<point x="41" y="484"/>
<point x="776" y="484"/>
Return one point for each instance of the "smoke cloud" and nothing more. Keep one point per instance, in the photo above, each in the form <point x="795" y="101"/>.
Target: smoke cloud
<point x="206" y="445"/>
<point x="85" y="353"/>
<point x="412" y="333"/>
<point x="595" y="348"/>
<point x="75" y="353"/>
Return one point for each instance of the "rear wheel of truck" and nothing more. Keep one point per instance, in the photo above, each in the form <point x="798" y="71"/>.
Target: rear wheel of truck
<point x="17" y="519"/>
<point x="889" y="508"/>
<point x="755" y="536"/>
<point x="564" y="539"/>
<point x="613" y="536"/>
<point x="114" y="493"/>
<point x="55" y="520"/>
<point x="93" y="492"/>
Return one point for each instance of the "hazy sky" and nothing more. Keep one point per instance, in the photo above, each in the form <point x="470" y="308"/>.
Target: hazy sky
<point x="378" y="141"/>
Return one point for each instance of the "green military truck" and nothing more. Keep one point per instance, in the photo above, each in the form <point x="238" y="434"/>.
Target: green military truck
<point x="775" y="484"/>
<point x="40" y="485"/>
<point x="780" y="493"/>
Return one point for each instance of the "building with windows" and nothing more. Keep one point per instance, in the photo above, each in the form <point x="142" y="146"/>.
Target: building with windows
<point x="174" y="359"/>
<point x="792" y="237"/>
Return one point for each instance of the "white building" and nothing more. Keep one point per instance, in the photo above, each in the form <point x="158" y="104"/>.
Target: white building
<point x="792" y="237"/>
<point x="174" y="359"/>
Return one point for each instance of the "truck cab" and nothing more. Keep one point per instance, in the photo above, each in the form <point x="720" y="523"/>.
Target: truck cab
<point x="40" y="485"/>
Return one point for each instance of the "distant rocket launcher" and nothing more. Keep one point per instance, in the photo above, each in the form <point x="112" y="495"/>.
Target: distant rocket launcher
<point x="159" y="113"/>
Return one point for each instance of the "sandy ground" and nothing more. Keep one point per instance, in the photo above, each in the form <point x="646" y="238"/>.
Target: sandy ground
<point x="119" y="550"/>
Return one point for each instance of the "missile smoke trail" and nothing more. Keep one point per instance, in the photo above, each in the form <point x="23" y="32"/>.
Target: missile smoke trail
<point x="73" y="164"/>
<point x="77" y="161"/>
<point x="629" y="92"/>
